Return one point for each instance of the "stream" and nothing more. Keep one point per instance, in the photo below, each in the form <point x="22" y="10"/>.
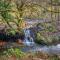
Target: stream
<point x="28" y="40"/>
<point x="31" y="46"/>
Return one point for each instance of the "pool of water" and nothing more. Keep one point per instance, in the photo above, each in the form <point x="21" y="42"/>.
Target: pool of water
<point x="54" y="49"/>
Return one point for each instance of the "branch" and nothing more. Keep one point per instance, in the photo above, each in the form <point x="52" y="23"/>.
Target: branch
<point x="7" y="10"/>
<point x="47" y="9"/>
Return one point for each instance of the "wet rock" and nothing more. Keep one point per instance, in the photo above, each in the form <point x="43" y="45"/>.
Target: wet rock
<point x="19" y="41"/>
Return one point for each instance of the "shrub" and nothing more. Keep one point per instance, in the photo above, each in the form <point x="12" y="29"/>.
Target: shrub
<point x="40" y="39"/>
<point x="13" y="52"/>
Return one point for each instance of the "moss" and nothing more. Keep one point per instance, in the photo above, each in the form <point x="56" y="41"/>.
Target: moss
<point x="44" y="39"/>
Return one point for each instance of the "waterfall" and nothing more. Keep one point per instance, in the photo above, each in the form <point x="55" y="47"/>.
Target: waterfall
<point x="28" y="40"/>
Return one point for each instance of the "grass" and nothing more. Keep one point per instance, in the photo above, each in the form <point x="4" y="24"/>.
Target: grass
<point x="42" y="38"/>
<point x="16" y="54"/>
<point x="11" y="53"/>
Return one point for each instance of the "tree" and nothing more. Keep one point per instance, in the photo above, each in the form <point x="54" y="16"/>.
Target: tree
<point x="10" y="13"/>
<point x="16" y="10"/>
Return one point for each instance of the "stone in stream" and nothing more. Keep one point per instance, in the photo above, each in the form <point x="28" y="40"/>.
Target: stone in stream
<point x="58" y="45"/>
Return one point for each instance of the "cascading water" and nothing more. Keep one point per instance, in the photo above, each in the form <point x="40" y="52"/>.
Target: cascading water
<point x="28" y="40"/>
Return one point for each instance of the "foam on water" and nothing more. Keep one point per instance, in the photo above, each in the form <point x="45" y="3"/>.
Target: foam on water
<point x="29" y="41"/>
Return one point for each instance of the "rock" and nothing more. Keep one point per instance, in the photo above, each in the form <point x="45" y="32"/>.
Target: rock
<point x="19" y="41"/>
<point x="12" y="58"/>
<point x="2" y="43"/>
<point x="37" y="59"/>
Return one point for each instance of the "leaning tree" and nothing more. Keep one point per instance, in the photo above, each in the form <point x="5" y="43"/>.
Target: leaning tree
<point x="13" y="12"/>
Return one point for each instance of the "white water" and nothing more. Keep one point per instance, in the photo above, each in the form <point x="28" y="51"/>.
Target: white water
<point x="28" y="40"/>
